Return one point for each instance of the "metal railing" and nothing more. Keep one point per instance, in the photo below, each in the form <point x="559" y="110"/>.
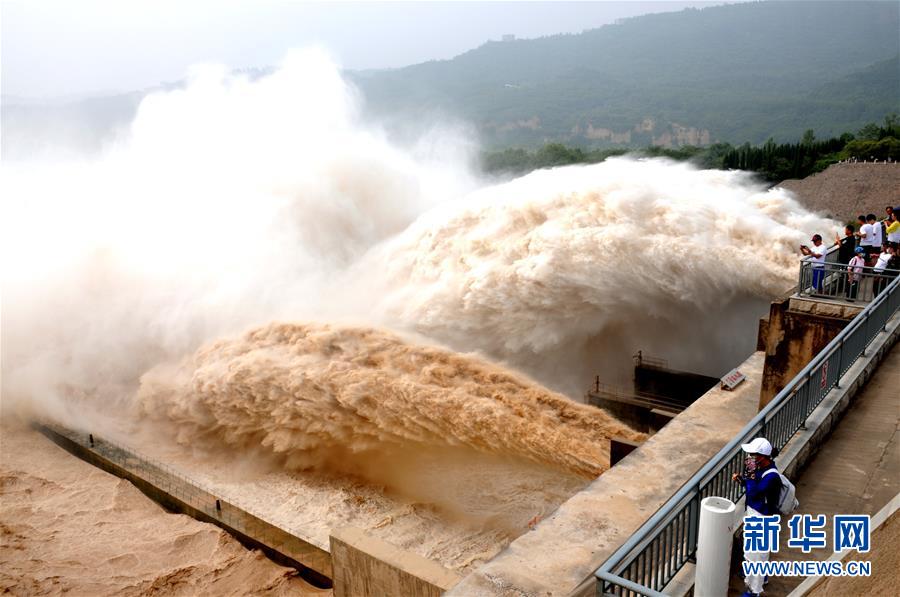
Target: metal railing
<point x="645" y="399"/>
<point x="642" y="360"/>
<point x="840" y="282"/>
<point x="204" y="500"/>
<point x="655" y="553"/>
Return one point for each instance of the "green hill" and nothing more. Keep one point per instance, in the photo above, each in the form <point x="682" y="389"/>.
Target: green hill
<point x="742" y="72"/>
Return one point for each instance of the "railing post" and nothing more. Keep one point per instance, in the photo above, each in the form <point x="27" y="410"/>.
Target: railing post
<point x="693" y="524"/>
<point x="865" y="336"/>
<point x="807" y="389"/>
<point x="840" y="361"/>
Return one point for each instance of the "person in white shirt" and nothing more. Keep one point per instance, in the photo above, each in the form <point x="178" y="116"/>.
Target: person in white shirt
<point x="882" y="262"/>
<point x="818" y="252"/>
<point x="877" y="236"/>
<point x="881" y="281"/>
<point x="866" y="237"/>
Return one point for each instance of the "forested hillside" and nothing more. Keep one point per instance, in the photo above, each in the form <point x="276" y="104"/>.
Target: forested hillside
<point x="736" y="73"/>
<point x="739" y="73"/>
<point x="772" y="161"/>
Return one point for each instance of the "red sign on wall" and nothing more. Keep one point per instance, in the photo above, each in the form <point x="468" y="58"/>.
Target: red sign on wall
<point x="824" y="375"/>
<point x="732" y="379"/>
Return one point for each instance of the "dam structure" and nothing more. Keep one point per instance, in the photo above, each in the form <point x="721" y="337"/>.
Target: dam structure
<point x="797" y="421"/>
<point x="633" y="529"/>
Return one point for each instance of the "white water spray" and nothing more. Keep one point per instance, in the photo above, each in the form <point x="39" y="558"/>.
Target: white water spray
<point x="234" y="203"/>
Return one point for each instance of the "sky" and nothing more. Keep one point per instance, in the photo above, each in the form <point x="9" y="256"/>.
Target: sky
<point x="66" y="48"/>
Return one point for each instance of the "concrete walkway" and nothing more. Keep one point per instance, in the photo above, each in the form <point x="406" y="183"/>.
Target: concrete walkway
<point x="857" y="471"/>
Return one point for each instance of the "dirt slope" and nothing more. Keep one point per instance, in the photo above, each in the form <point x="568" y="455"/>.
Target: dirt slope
<point x="844" y="191"/>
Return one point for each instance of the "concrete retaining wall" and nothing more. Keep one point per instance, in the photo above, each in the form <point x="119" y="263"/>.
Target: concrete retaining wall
<point x="365" y="566"/>
<point x="797" y="330"/>
<point x="178" y="494"/>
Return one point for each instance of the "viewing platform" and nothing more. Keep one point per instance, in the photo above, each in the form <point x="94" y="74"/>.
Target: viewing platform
<point x="821" y="377"/>
<point x="857" y="470"/>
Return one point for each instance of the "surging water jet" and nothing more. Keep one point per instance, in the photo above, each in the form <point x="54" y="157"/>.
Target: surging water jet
<point x="565" y="273"/>
<point x="318" y="395"/>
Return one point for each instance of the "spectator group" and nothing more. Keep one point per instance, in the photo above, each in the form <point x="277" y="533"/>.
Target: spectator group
<point x="869" y="249"/>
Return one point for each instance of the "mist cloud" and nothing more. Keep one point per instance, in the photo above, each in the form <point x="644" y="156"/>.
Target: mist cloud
<point x="228" y="203"/>
<point x="234" y="203"/>
<point x="566" y="273"/>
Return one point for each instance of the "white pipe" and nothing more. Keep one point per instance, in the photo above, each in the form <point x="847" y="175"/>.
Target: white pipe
<point x="714" y="547"/>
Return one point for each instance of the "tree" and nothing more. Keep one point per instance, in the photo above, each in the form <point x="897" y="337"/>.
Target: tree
<point x="870" y="132"/>
<point x="557" y="154"/>
<point x="892" y="126"/>
<point x="508" y="160"/>
<point x="889" y="147"/>
<point x="808" y="138"/>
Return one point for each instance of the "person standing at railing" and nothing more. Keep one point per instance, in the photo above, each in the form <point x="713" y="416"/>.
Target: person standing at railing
<point x="883" y="263"/>
<point x="818" y="252"/>
<point x="893" y="266"/>
<point x="893" y="229"/>
<point x="846" y="250"/>
<point x="888" y="211"/>
<point x="846" y="245"/>
<point x="877" y="238"/>
<point x="860" y="222"/>
<point x="763" y="485"/>
<point x="854" y="273"/>
<point x="877" y="233"/>
<point x="865" y="234"/>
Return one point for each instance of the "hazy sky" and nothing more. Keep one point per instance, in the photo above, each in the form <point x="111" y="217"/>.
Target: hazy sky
<point x="72" y="47"/>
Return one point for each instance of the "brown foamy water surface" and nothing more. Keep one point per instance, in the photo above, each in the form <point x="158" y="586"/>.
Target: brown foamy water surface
<point x="319" y="426"/>
<point x="323" y="396"/>
<point x="68" y="527"/>
<point x="463" y="514"/>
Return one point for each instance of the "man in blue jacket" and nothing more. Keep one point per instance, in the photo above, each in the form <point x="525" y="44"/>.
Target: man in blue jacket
<point x="763" y="485"/>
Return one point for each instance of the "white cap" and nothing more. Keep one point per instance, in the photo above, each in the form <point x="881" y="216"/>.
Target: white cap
<point x="758" y="446"/>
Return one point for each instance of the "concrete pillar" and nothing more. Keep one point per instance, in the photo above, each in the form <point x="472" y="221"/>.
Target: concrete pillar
<point x="619" y="448"/>
<point x="796" y="330"/>
<point x="714" y="547"/>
